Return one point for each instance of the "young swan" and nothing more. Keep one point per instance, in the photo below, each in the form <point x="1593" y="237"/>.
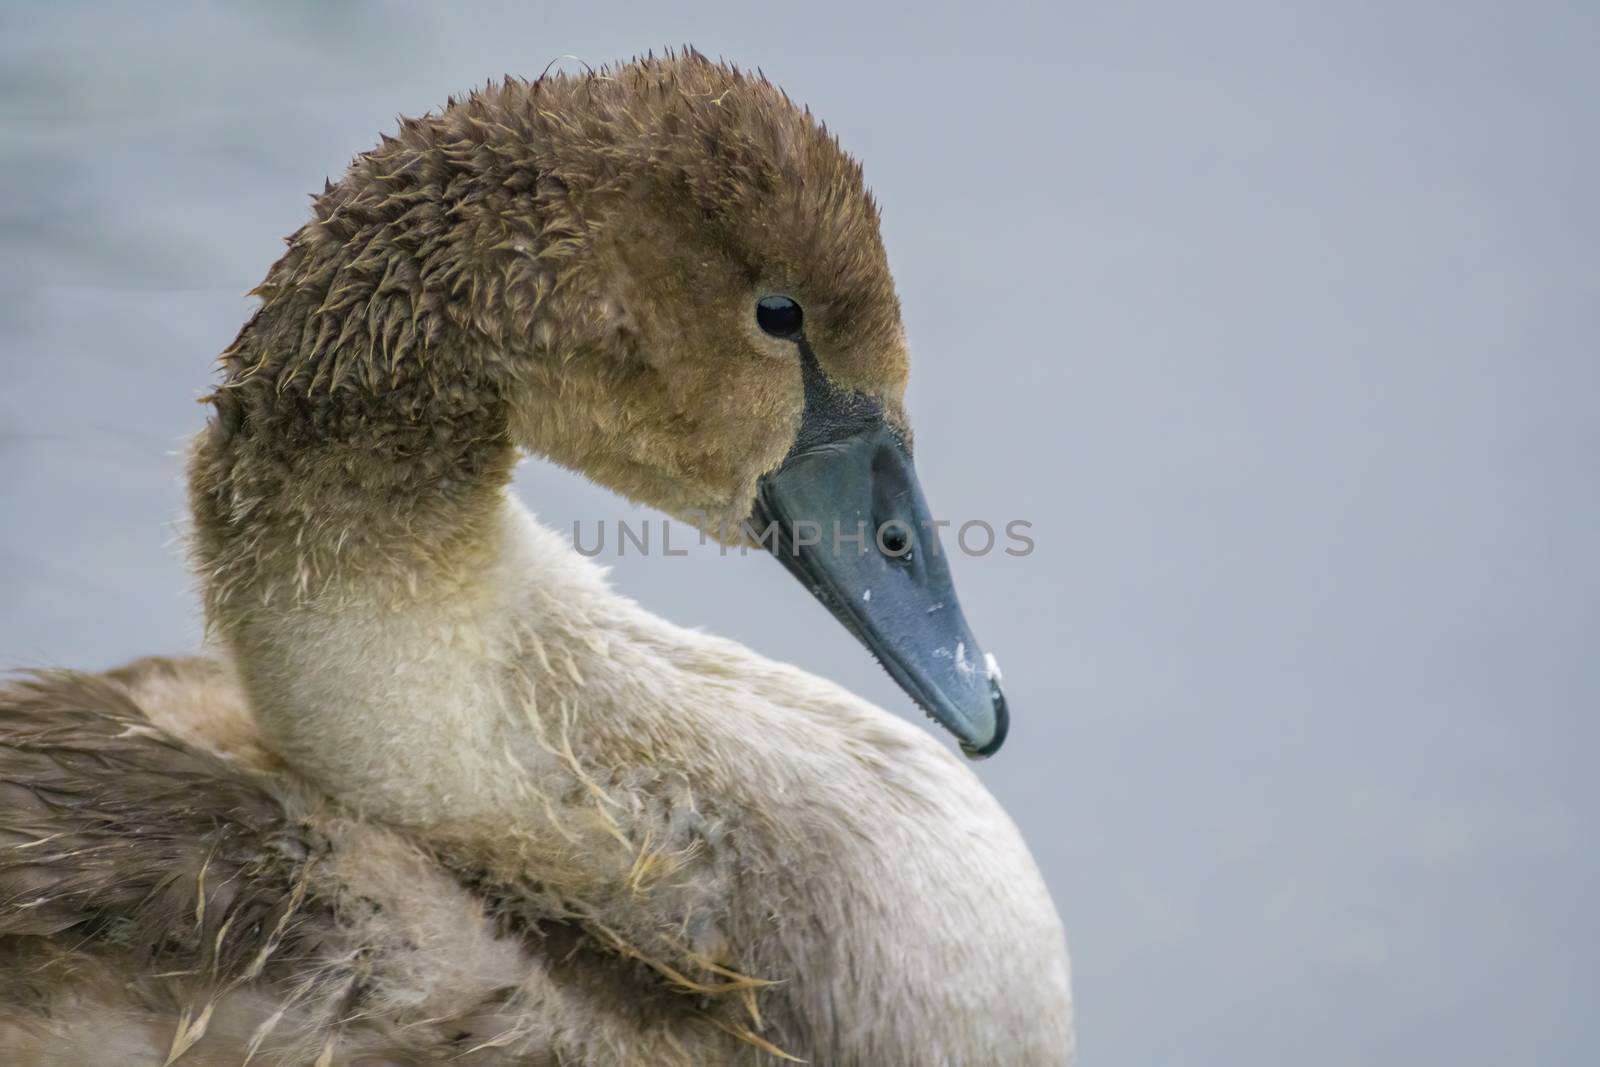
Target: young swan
<point x="667" y="277"/>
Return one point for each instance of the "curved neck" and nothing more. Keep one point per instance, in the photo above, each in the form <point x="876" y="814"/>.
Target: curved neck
<point x="309" y="475"/>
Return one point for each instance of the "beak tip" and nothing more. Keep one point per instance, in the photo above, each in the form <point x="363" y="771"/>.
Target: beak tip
<point x="1002" y="726"/>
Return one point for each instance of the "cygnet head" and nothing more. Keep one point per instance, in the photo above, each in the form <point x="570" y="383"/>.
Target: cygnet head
<point x="663" y="275"/>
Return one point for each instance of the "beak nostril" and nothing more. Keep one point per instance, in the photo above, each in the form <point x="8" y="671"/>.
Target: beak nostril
<point x="894" y="540"/>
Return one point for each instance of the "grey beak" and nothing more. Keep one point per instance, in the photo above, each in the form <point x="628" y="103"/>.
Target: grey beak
<point x="847" y="517"/>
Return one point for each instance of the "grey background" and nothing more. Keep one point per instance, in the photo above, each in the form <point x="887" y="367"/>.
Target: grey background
<point x="1278" y="321"/>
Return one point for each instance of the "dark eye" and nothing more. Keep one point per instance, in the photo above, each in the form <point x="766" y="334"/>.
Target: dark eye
<point x="779" y="316"/>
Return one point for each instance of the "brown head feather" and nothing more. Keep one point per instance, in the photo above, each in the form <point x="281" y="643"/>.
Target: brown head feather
<point x="568" y="265"/>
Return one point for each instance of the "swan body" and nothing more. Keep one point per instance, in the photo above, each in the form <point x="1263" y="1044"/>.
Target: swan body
<point x="447" y="797"/>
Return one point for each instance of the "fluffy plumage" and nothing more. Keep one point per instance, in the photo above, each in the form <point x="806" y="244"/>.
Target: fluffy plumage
<point x="467" y="802"/>
<point x="192" y="899"/>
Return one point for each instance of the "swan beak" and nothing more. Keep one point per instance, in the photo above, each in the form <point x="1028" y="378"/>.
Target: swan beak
<point x="847" y="517"/>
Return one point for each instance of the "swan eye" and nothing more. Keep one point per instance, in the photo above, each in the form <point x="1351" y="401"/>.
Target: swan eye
<point x="779" y="316"/>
